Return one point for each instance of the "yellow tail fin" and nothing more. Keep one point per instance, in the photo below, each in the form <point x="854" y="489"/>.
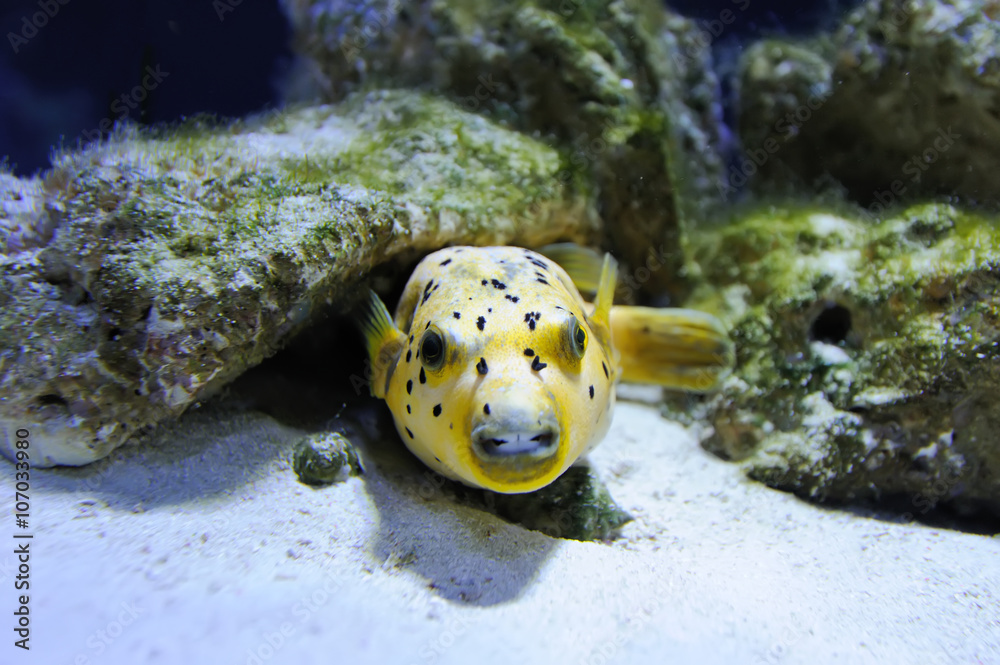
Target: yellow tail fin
<point x="676" y="348"/>
<point x="384" y="341"/>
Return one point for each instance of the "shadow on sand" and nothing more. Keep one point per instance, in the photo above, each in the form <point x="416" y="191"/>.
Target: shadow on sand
<point x="221" y="449"/>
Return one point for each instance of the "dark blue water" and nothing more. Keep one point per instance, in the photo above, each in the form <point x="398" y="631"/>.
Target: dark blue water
<point x="70" y="68"/>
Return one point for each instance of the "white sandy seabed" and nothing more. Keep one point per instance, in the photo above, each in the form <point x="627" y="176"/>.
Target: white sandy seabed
<point x="204" y="548"/>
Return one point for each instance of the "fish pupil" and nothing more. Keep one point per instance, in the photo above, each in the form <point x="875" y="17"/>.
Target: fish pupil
<point x="577" y="337"/>
<point x="432" y="348"/>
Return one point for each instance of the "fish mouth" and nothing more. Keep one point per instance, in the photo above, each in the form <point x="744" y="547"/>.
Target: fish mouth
<point x="496" y="444"/>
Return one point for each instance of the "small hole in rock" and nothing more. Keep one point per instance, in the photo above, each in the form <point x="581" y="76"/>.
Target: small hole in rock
<point x="51" y="399"/>
<point x="832" y="325"/>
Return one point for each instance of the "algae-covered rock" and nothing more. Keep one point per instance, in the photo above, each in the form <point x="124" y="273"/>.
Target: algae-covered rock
<point x="868" y="355"/>
<point x="577" y="506"/>
<point x="899" y="103"/>
<point x="141" y="274"/>
<point x="623" y="89"/>
<point x="324" y="458"/>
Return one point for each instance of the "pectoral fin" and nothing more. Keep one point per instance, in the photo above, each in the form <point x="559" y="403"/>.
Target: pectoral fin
<point x="605" y="293"/>
<point x="682" y="349"/>
<point x="582" y="264"/>
<point x="384" y="341"/>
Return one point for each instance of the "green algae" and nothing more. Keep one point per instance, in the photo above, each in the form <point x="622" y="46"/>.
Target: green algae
<point x="325" y="458"/>
<point x="859" y="343"/>
<point x="184" y="256"/>
<point x="576" y="506"/>
<point x="601" y="83"/>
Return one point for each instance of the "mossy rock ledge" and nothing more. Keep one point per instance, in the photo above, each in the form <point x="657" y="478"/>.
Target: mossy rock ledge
<point x="898" y="104"/>
<point x="625" y="89"/>
<point x="141" y="274"/>
<point x="868" y="354"/>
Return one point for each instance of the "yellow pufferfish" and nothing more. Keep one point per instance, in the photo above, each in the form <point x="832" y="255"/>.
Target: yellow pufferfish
<point x="500" y="375"/>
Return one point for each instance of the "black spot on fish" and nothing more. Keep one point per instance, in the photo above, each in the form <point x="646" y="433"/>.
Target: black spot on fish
<point x="606" y="375"/>
<point x="411" y="339"/>
<point x="457" y="315"/>
<point x="540" y="264"/>
<point x="592" y="392"/>
<point x="485" y="282"/>
<point x="408" y="354"/>
<point x="428" y="325"/>
<point x="511" y="298"/>
<point x="490" y="310"/>
<point x="423" y="377"/>
<point x="530" y="319"/>
<point x="444" y="263"/>
<point x="408" y="432"/>
<point x="486" y="409"/>
<point x="437" y="459"/>
<point x="408" y="409"/>
<point x="481" y="322"/>
<point x="529" y="352"/>
<point x="542" y="281"/>
<point x="451" y="425"/>
<point x="427" y="292"/>
<point x="481" y="366"/>
<point x="409" y="387"/>
<point x="437" y="410"/>
<point x="537" y="364"/>
<point x="497" y="284"/>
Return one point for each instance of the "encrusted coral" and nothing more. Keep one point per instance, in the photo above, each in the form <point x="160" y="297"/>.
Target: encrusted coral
<point x="623" y="89"/>
<point x="144" y="273"/>
<point x="868" y="355"/>
<point x="899" y="103"/>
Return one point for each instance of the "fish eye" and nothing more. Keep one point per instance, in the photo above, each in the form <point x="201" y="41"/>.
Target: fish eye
<point x="432" y="349"/>
<point x="577" y="337"/>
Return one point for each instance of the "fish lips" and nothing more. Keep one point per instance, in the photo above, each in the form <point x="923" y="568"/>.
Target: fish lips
<point x="515" y="444"/>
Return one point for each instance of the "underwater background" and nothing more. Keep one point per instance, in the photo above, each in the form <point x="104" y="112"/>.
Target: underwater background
<point x="195" y="196"/>
<point x="57" y="87"/>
